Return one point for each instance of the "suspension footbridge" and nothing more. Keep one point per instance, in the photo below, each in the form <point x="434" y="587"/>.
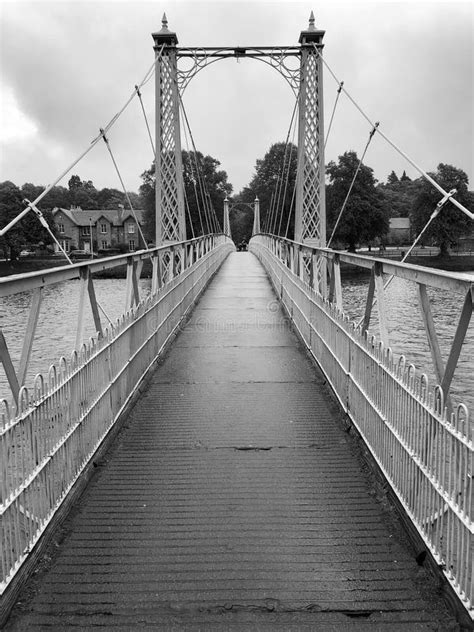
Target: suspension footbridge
<point x="233" y="452"/>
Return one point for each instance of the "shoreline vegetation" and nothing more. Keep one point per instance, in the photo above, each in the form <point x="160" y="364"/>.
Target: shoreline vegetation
<point x="458" y="262"/>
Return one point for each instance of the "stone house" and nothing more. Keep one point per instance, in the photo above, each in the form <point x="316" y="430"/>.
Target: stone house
<point x="78" y="229"/>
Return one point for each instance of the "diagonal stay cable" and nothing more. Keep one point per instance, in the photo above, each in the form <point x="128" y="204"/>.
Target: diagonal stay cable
<point x="352" y="184"/>
<point x="139" y="94"/>
<point x="292" y="147"/>
<point x="434" y="214"/>
<point x="289" y="214"/>
<point x="339" y="90"/>
<point x="106" y="141"/>
<point x="292" y="121"/>
<point x="93" y="143"/>
<point x="421" y="171"/>
<point x="195" y="158"/>
<point x="211" y="214"/>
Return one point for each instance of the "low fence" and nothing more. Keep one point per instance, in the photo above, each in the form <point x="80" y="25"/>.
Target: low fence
<point x="49" y="436"/>
<point x="425" y="451"/>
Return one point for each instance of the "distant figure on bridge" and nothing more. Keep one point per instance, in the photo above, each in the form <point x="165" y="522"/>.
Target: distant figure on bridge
<point x="242" y="246"/>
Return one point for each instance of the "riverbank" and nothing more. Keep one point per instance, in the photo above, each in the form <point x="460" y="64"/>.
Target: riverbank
<point x="455" y="263"/>
<point x="22" y="266"/>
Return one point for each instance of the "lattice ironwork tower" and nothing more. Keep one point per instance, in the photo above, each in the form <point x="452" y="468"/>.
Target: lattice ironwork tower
<point x="170" y="212"/>
<point x="310" y="212"/>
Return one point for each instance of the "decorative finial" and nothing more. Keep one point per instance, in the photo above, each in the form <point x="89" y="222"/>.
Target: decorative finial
<point x="164" y="21"/>
<point x="311" y="22"/>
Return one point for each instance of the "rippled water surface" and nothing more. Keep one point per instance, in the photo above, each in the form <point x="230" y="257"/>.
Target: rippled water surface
<point x="58" y="317"/>
<point x="56" y="330"/>
<point x="407" y="333"/>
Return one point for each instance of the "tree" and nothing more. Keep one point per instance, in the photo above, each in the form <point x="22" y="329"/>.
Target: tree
<point x="29" y="229"/>
<point x="392" y="178"/>
<point x="364" y="217"/>
<point x="398" y="195"/>
<point x="10" y="206"/>
<point x="273" y="183"/>
<point x="83" y="193"/>
<point x="201" y="194"/>
<point x="450" y="223"/>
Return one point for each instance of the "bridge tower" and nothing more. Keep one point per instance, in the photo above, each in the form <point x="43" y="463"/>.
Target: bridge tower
<point x="170" y="210"/>
<point x="256" y="217"/>
<point x="310" y="211"/>
<point x="226" y="217"/>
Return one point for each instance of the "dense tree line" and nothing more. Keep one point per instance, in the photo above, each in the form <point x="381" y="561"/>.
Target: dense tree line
<point x="364" y="220"/>
<point x="78" y="193"/>
<point x="205" y="189"/>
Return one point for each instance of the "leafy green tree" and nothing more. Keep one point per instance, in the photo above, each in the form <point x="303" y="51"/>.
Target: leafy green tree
<point x="198" y="199"/>
<point x="450" y="223"/>
<point x="364" y="217"/>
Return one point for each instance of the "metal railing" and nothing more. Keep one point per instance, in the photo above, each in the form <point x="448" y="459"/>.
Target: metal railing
<point x="424" y="448"/>
<point x="51" y="433"/>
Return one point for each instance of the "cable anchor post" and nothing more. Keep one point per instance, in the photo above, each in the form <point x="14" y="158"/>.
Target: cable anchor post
<point x="104" y="137"/>
<point x="374" y="129"/>
<point x="442" y="202"/>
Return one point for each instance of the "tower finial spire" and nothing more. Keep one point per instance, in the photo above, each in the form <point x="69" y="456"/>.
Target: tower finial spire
<point x="164" y="21"/>
<point x="311" y="22"/>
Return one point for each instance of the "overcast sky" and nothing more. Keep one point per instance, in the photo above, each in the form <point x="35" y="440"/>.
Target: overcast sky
<point x="68" y="67"/>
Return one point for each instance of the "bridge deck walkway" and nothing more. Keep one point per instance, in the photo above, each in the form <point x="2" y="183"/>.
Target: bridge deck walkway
<point x="231" y="498"/>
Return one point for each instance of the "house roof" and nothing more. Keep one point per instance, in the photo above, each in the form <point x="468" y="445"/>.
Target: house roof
<point x="116" y="217"/>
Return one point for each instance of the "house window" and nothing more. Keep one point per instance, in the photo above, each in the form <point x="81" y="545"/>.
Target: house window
<point x="131" y="244"/>
<point x="61" y="228"/>
<point x="86" y="231"/>
<point x="131" y="228"/>
<point x="103" y="228"/>
<point x="103" y="244"/>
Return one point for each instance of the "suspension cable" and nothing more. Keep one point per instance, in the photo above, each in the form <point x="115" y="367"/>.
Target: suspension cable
<point x="189" y="212"/>
<point x="93" y="143"/>
<point x="433" y="215"/>
<point x="193" y="180"/>
<point x="352" y="184"/>
<point x="198" y="171"/>
<point x="44" y="223"/>
<point x="268" y="215"/>
<point x="106" y="141"/>
<point x="279" y="185"/>
<point x="139" y="94"/>
<point x="423" y="173"/>
<point x="289" y="214"/>
<point x="292" y="146"/>
<point x="211" y="213"/>
<point x="339" y="90"/>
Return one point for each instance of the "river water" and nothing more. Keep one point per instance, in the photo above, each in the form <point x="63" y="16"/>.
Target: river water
<point x="57" y="325"/>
